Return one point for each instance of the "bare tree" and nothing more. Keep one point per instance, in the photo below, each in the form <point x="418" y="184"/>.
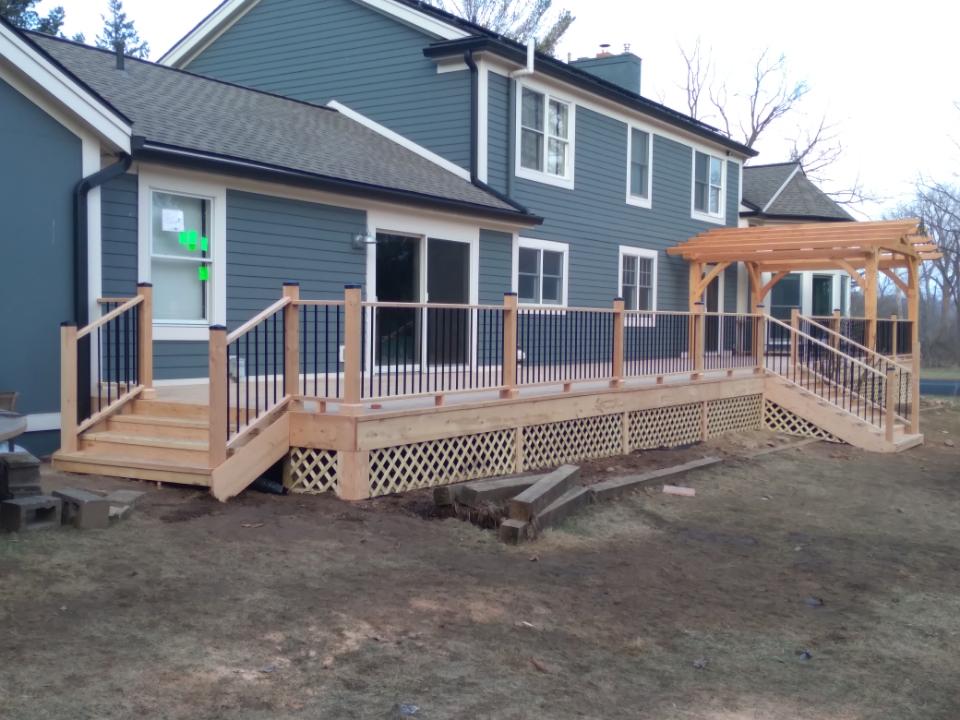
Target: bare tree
<point x="515" y="19"/>
<point x="698" y="76"/>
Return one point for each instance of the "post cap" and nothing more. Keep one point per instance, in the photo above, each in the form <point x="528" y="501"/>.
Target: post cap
<point x="351" y="287"/>
<point x="139" y="284"/>
<point x="291" y="284"/>
<point x="218" y="328"/>
<point x="618" y="298"/>
<point x="68" y="323"/>
<point x="509" y="294"/>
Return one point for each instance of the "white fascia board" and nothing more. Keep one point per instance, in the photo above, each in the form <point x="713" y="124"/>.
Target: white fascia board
<point x="400" y="140"/>
<point x="55" y="83"/>
<point x="779" y="189"/>
<point x="419" y="20"/>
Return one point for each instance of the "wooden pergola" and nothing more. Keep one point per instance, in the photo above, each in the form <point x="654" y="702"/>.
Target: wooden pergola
<point x="865" y="250"/>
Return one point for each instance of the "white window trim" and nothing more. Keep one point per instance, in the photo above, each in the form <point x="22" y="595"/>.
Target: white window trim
<point x="151" y="181"/>
<point x="541" y="176"/>
<point x="721" y="218"/>
<point x="646" y="253"/>
<point x="636" y="200"/>
<point x="536" y="244"/>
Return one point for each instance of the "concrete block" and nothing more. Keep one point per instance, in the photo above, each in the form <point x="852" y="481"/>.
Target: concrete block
<point x="478" y="492"/>
<point x="84" y="510"/>
<point x="514" y="532"/>
<point x="124" y="497"/>
<point x="535" y="498"/>
<point x="19" y="474"/>
<point x="40" y="512"/>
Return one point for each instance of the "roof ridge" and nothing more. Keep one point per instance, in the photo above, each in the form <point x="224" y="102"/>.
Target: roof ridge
<point x="157" y="65"/>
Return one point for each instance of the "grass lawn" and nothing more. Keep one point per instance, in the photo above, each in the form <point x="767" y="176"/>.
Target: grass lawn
<point x="941" y="373"/>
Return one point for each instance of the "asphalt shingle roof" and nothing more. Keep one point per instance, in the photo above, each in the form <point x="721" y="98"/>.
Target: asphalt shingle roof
<point x="799" y="198"/>
<point x="187" y="111"/>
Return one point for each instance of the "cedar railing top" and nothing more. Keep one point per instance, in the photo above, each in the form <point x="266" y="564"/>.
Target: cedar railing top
<point x="257" y="319"/>
<point x="880" y="356"/>
<point x="824" y="345"/>
<point x="116" y="312"/>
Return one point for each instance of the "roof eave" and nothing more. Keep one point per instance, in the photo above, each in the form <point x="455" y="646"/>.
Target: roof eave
<point x="561" y="71"/>
<point x="182" y="156"/>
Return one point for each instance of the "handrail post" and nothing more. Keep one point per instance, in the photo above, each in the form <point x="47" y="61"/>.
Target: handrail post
<point x="760" y="340"/>
<point x="291" y="340"/>
<point x="145" y="339"/>
<point x="890" y="399"/>
<point x="618" y="323"/>
<point x="795" y="328"/>
<point x="835" y="326"/>
<point x="217" y="400"/>
<point x="509" y="389"/>
<point x="699" y="338"/>
<point x="893" y="337"/>
<point x="915" y="387"/>
<point x="68" y="387"/>
<point x="352" y="348"/>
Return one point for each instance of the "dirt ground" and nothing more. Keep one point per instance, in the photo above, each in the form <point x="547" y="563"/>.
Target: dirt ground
<point x="653" y="606"/>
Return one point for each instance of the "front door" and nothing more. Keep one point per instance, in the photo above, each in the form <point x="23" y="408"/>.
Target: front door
<point x="448" y="282"/>
<point x="822" y="295"/>
<point x="711" y="341"/>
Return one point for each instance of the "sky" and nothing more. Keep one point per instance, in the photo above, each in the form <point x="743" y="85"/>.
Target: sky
<point x="885" y="74"/>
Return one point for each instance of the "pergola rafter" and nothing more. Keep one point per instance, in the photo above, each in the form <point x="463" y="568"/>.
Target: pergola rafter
<point x="864" y="250"/>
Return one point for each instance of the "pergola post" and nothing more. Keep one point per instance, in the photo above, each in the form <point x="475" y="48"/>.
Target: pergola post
<point x="913" y="313"/>
<point x="871" y="281"/>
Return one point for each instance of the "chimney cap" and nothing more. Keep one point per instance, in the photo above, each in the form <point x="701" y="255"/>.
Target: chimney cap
<point x="604" y="50"/>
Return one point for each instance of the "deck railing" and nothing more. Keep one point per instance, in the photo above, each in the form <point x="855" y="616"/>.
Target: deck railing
<point x="105" y="364"/>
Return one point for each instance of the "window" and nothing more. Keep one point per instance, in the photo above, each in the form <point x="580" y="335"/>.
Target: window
<point x="180" y="257"/>
<point x="638" y="278"/>
<point x="546" y="138"/>
<point x="541" y="272"/>
<point x="181" y="251"/>
<point x="638" y="167"/>
<point x="708" y="176"/>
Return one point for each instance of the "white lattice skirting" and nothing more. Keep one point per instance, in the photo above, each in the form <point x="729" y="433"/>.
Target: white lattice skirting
<point x="311" y="471"/>
<point x="779" y="419"/>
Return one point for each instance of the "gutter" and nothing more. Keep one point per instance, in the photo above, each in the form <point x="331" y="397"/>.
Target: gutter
<point x="474" y="133"/>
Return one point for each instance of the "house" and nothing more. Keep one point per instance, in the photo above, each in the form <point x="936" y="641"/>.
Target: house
<point x="782" y="194"/>
<point x="119" y="171"/>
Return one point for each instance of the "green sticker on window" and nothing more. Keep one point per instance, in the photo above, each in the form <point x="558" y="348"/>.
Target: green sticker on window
<point x="203" y="272"/>
<point x="204" y="244"/>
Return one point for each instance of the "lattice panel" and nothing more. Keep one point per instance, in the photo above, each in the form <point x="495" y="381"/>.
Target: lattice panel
<point x="311" y="471"/>
<point x="571" y="440"/>
<point x="779" y="419"/>
<point x="665" y="427"/>
<point x="736" y="413"/>
<point x="441" y="462"/>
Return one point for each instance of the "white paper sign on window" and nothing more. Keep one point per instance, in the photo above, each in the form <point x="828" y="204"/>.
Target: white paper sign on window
<point x="172" y="220"/>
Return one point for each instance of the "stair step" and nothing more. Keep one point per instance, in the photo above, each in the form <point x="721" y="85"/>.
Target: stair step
<point x="163" y="408"/>
<point x="95" y="463"/>
<point x="157" y="426"/>
<point x="110" y="436"/>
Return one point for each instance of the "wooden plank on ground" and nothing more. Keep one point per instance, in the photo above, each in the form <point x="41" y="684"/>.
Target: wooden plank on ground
<point x="497" y="490"/>
<point x="535" y="498"/>
<point x="561" y="508"/>
<point x="609" y="489"/>
<point x="514" y="532"/>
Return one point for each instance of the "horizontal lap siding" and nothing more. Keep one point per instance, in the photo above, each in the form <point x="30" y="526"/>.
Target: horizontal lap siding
<point x="118" y="204"/>
<point x="498" y="139"/>
<point x="322" y="50"/>
<point x="496" y="266"/>
<point x="595" y="219"/>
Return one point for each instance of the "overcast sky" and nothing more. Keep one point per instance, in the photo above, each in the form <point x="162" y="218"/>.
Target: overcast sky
<point x="885" y="73"/>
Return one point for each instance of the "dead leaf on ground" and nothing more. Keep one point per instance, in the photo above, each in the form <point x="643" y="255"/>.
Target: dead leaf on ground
<point x="539" y="665"/>
<point x="252" y="525"/>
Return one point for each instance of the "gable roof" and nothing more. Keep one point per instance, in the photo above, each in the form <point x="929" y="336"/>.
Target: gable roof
<point x="55" y="80"/>
<point x="782" y="190"/>
<point x="197" y="119"/>
<point x="456" y="36"/>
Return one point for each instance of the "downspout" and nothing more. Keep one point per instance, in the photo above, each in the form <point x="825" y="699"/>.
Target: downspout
<point x="474" y="134"/>
<point x="81" y="262"/>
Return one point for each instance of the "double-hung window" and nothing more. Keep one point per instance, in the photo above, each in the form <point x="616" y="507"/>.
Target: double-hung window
<point x="181" y="252"/>
<point x="546" y="138"/>
<point x="638" y="167"/>
<point x="541" y="272"/>
<point x="638" y="278"/>
<point x="708" y="178"/>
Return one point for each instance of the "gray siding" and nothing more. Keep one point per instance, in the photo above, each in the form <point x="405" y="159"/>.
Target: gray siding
<point x="273" y="240"/>
<point x="498" y="138"/>
<point x="321" y="50"/>
<point x="118" y="204"/>
<point x="41" y="164"/>
<point x="496" y="266"/>
<point x="595" y="219"/>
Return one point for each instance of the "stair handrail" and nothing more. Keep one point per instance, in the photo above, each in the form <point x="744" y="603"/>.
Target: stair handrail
<point x="812" y="339"/>
<point x="883" y="358"/>
<point x="103" y="320"/>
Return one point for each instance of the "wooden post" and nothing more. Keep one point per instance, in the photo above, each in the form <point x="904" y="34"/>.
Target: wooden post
<point x="352" y="348"/>
<point x="218" y="398"/>
<point x="871" y="279"/>
<point x="760" y="339"/>
<point x="145" y="339"/>
<point x="893" y="337"/>
<point x="890" y="397"/>
<point x="835" y="326"/>
<point x="68" y="387"/>
<point x="618" y="322"/>
<point x="915" y="389"/>
<point x="795" y="328"/>
<point x="913" y="313"/>
<point x="291" y="340"/>
<point x="509" y="389"/>
<point x="699" y="337"/>
<point x="353" y="474"/>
